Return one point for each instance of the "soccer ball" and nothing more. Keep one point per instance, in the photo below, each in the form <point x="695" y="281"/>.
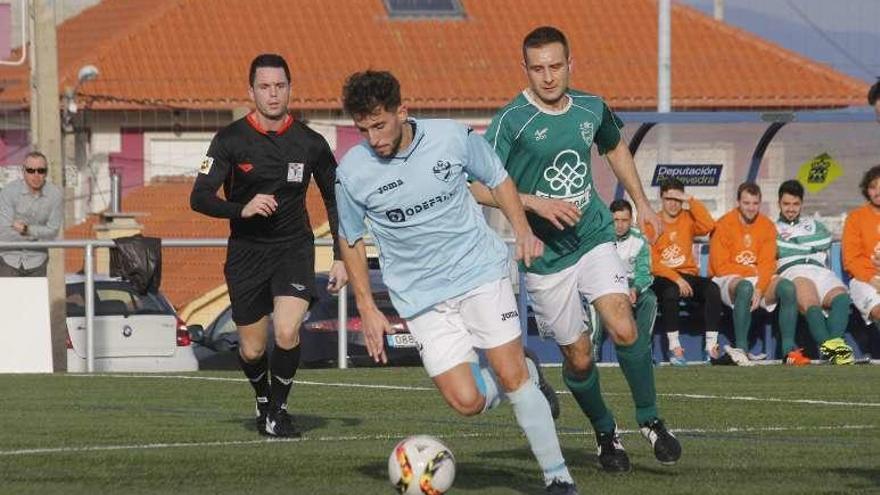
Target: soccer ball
<point x="421" y="465"/>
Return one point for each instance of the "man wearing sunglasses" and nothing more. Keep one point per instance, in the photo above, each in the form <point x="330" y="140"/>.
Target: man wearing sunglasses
<point x="30" y="210"/>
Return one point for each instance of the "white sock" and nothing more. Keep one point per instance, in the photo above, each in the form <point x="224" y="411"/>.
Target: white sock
<point x="533" y="416"/>
<point x="711" y="340"/>
<point x="673" y="340"/>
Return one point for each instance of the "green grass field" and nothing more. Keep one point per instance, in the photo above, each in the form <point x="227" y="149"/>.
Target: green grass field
<point x="767" y="429"/>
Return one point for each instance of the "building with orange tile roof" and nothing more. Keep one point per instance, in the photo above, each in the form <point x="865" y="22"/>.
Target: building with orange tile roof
<point x="172" y="72"/>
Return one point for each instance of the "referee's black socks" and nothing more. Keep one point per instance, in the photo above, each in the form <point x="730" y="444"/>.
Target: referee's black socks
<point x="257" y="373"/>
<point x="284" y="363"/>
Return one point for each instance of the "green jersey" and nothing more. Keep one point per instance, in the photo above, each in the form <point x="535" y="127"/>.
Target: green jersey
<point x="805" y="241"/>
<point x="547" y="154"/>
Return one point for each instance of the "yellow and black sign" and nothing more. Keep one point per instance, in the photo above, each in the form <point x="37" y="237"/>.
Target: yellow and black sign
<point x="820" y="171"/>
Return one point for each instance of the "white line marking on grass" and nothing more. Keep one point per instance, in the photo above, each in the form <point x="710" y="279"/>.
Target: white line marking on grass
<point x="224" y="379"/>
<point x="772" y="399"/>
<point x="365" y="385"/>
<point x="383" y="437"/>
<point x="559" y="392"/>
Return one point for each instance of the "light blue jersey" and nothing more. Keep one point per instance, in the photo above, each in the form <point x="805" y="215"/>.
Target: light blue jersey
<point x="434" y="243"/>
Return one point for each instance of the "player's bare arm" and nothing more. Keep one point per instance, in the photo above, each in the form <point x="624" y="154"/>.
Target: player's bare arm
<point x="623" y="166"/>
<point x="374" y="324"/>
<point x="528" y="247"/>
<point x="561" y="214"/>
<point x="338" y="277"/>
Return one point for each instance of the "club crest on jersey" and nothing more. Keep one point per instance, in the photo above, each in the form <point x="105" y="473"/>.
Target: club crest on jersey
<point x="295" y="172"/>
<point x="587" y="133"/>
<point x="443" y="170"/>
<point x="205" y="167"/>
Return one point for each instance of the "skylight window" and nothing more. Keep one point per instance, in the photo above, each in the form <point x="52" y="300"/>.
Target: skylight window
<point x="424" y="8"/>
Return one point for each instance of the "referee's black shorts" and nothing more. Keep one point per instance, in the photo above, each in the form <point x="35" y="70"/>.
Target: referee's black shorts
<point x="256" y="273"/>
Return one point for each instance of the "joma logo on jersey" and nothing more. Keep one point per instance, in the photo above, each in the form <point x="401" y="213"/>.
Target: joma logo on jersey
<point x="541" y="134"/>
<point x="388" y="187"/>
<point x="509" y="315"/>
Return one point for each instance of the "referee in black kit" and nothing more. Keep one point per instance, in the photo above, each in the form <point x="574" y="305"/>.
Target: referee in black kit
<point x="264" y="163"/>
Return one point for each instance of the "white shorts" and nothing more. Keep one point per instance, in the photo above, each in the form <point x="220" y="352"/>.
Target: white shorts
<point x="724" y="282"/>
<point x="557" y="298"/>
<point x="483" y="318"/>
<point x="824" y="279"/>
<point x="865" y="298"/>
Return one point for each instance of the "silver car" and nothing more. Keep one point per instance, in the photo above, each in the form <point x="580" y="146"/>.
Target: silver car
<point x="132" y="332"/>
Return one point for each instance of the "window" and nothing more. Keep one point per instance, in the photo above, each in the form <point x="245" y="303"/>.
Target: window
<point x="115" y="299"/>
<point x="424" y="8"/>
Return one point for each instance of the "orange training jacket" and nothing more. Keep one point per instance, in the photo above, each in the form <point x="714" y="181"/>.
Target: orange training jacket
<point x="746" y="250"/>
<point x="673" y="253"/>
<point x="861" y="240"/>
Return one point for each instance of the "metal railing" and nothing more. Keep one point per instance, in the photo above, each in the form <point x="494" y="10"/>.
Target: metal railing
<point x="89" y="246"/>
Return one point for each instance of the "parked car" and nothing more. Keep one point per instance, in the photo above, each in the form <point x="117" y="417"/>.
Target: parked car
<point x="217" y="345"/>
<point x="132" y="332"/>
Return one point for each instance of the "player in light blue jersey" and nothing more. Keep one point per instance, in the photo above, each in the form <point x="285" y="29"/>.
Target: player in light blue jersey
<point x="446" y="270"/>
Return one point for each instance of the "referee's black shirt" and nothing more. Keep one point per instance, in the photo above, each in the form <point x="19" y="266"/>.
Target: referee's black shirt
<point x="248" y="160"/>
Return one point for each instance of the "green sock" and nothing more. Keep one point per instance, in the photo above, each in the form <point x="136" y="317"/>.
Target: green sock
<point x="638" y="368"/>
<point x="838" y="317"/>
<point x="787" y="297"/>
<point x="742" y="313"/>
<point x="588" y="395"/>
<point x="636" y="361"/>
<point x="817" y="324"/>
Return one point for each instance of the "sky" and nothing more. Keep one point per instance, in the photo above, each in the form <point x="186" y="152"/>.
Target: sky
<point x="844" y="34"/>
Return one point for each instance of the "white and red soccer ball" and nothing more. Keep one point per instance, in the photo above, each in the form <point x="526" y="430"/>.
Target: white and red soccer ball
<point x="421" y="465"/>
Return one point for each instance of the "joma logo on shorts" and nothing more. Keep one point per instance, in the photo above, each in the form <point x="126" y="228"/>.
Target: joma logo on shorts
<point x="509" y="315"/>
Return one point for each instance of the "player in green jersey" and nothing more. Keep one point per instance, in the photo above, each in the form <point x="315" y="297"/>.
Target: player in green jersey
<point x="803" y="243"/>
<point x="544" y="137"/>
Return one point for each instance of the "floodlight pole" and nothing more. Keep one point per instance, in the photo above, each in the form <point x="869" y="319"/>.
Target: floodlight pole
<point x="45" y="117"/>
<point x="718" y="11"/>
<point x="664" y="56"/>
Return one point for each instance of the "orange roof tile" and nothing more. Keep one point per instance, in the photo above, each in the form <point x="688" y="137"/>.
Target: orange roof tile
<point x="195" y="54"/>
<point x="187" y="273"/>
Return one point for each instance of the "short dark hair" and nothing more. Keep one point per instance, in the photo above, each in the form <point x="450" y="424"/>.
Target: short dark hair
<point x="874" y="93"/>
<point x="671" y="183"/>
<point x="267" y="60"/>
<point x="870" y="176"/>
<point x="544" y="35"/>
<point x="37" y="154"/>
<point x="791" y="187"/>
<point x="749" y="187"/>
<point x="365" y="92"/>
<point x="620" y="205"/>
